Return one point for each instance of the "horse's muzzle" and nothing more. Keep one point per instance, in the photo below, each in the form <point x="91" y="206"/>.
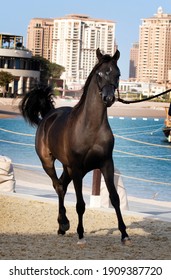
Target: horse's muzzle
<point x="108" y="95"/>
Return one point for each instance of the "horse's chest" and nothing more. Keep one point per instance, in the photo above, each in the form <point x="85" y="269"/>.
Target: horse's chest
<point x="93" y="151"/>
<point x="91" y="147"/>
<point x="95" y="156"/>
<point x="98" y="150"/>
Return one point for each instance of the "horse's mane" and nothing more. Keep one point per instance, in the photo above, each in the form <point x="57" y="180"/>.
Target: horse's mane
<point x="105" y="58"/>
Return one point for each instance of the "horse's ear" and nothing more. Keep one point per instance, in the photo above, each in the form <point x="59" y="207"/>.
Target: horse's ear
<point x="98" y="54"/>
<point x="116" y="55"/>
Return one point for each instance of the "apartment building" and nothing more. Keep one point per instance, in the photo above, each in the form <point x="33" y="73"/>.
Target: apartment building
<point x="133" y="61"/>
<point x="18" y="61"/>
<point x="75" y="40"/>
<point x="154" y="60"/>
<point x="39" y="37"/>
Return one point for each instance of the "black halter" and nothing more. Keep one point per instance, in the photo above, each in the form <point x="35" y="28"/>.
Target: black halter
<point x="106" y="77"/>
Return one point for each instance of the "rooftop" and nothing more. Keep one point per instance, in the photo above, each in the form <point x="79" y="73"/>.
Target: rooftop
<point x="10" y="41"/>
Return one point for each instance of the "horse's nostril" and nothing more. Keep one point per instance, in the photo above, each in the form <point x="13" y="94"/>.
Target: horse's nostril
<point x="111" y="98"/>
<point x="108" y="100"/>
<point x="105" y="99"/>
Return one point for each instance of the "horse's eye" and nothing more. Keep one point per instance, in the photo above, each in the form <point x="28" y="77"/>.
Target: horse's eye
<point x="100" y="74"/>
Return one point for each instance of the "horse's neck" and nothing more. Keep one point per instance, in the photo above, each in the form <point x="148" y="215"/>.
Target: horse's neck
<point x="94" y="111"/>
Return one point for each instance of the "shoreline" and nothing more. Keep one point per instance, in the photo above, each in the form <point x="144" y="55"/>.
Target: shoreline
<point x="146" y="109"/>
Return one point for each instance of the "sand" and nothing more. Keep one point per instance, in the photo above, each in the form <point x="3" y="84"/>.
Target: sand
<point x="9" y="108"/>
<point x="28" y="231"/>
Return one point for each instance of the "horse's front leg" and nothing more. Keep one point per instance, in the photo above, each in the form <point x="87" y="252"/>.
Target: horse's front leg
<point x="80" y="206"/>
<point x="108" y="173"/>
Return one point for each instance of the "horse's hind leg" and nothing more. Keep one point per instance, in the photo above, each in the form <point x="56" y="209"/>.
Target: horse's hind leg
<point x="60" y="186"/>
<point x="64" y="181"/>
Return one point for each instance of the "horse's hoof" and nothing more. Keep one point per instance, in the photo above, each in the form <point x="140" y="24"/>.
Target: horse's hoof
<point x="126" y="241"/>
<point x="60" y="232"/>
<point x="63" y="228"/>
<point x="81" y="242"/>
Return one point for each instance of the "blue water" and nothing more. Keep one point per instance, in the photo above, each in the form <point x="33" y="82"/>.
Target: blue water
<point x="141" y="153"/>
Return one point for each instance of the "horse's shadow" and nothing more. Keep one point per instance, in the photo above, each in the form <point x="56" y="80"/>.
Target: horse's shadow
<point x="150" y="239"/>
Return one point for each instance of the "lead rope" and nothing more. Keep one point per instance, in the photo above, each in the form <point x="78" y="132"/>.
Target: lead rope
<point x="142" y="100"/>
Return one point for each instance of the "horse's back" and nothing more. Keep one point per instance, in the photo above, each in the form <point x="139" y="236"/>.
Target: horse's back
<point x="57" y="115"/>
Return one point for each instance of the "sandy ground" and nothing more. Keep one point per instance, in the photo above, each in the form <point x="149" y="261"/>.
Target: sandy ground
<point x="28" y="231"/>
<point x="28" y="227"/>
<point x="9" y="108"/>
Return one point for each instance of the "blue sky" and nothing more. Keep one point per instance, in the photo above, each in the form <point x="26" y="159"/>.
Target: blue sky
<point x="15" y="17"/>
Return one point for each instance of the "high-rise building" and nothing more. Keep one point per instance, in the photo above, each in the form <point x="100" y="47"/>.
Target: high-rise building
<point x="71" y="41"/>
<point x="39" y="37"/>
<point x="133" y="61"/>
<point x="154" y="60"/>
<point x="75" y="40"/>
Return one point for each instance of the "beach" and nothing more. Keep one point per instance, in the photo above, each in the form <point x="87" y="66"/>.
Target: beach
<point x="9" y="108"/>
<point x="28" y="226"/>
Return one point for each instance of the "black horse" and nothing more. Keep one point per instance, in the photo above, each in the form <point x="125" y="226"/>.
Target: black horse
<point x="79" y="137"/>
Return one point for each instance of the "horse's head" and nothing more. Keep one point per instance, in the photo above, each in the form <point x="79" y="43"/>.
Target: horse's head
<point x="107" y="75"/>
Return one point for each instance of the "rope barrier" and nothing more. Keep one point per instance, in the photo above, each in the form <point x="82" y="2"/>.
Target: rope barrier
<point x="32" y="166"/>
<point x="142" y="156"/>
<point x="33" y="135"/>
<point x="18" y="133"/>
<point x="141" y="142"/>
<point x="118" y="136"/>
<point x="26" y="165"/>
<point x="147" y="132"/>
<point x="124" y="176"/>
<point x="16" y="143"/>
<point x="144" y="180"/>
<point x="138" y="127"/>
<point x="119" y="151"/>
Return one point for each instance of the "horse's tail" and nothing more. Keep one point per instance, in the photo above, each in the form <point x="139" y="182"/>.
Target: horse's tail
<point x="36" y="104"/>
